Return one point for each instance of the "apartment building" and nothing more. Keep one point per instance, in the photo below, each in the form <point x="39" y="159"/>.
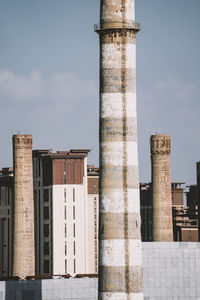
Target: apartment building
<point x="177" y="193"/>
<point x="185" y="225"/>
<point x="93" y="200"/>
<point x="146" y="211"/>
<point x="198" y="195"/>
<point x="6" y="221"/>
<point x="65" y="214"/>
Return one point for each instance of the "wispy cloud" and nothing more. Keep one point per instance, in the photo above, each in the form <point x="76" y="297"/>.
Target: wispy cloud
<point x="61" y="111"/>
<point x="33" y="87"/>
<point x="168" y="101"/>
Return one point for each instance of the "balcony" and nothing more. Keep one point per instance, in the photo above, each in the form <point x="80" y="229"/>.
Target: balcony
<point x="110" y="26"/>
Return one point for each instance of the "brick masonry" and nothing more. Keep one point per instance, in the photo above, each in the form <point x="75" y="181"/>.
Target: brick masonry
<point x="170" y="272"/>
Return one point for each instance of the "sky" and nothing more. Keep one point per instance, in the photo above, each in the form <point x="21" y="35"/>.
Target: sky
<point x="49" y="78"/>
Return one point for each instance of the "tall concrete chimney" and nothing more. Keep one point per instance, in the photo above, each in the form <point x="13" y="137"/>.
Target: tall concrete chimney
<point x="120" y="263"/>
<point x="161" y="188"/>
<point x="24" y="254"/>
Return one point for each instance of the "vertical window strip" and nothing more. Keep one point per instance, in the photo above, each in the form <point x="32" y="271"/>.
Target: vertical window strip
<point x="65" y="195"/>
<point x="65" y="266"/>
<point x="65" y="248"/>
<point x="74" y="230"/>
<point x="74" y="248"/>
<point x="65" y="213"/>
<point x="74" y="266"/>
<point x="74" y="212"/>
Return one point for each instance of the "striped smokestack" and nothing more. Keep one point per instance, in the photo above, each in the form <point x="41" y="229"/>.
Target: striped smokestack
<point x="120" y="263"/>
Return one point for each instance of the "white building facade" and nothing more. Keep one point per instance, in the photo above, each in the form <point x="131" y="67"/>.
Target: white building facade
<point x="65" y="215"/>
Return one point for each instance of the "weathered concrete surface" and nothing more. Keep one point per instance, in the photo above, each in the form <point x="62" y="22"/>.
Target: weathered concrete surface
<point x="119" y="225"/>
<point x="170" y="272"/>
<point x="161" y="188"/>
<point x="23" y="252"/>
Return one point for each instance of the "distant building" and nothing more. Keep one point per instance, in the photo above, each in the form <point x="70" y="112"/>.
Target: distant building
<point x="6" y="221"/>
<point x="198" y="194"/>
<point x="93" y="213"/>
<point x="192" y="197"/>
<point x="177" y="193"/>
<point x="185" y="224"/>
<point x="146" y="211"/>
<point x="184" y="218"/>
<point x="65" y="216"/>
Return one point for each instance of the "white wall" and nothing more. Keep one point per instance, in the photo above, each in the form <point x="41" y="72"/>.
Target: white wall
<point x="58" y="221"/>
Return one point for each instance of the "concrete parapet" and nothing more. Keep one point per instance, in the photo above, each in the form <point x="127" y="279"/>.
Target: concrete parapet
<point x="170" y="271"/>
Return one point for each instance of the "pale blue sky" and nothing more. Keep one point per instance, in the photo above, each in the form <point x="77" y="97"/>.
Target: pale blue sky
<point x="49" y="57"/>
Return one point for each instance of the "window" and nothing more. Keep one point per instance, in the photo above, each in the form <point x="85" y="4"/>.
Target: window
<point x="94" y="179"/>
<point x="10" y="196"/>
<point x="65" y="230"/>
<point x="74" y="266"/>
<point x="74" y="248"/>
<point x="46" y="230"/>
<point x="95" y="185"/>
<point x="46" y="248"/>
<point x="46" y="266"/>
<point x="3" y="195"/>
<point x="64" y="172"/>
<point x="74" y="232"/>
<point x="65" y="248"/>
<point x="46" y="195"/>
<point x="73" y="195"/>
<point x="65" y="266"/>
<point x="39" y="168"/>
<point x="65" y="213"/>
<point x="65" y="195"/>
<point x="46" y="213"/>
<point x="74" y="212"/>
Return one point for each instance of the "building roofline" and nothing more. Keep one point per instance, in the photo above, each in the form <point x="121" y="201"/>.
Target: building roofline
<point x="72" y="153"/>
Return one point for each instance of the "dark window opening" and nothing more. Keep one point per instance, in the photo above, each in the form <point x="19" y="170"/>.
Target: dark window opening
<point x="46" y="248"/>
<point x="46" y="213"/>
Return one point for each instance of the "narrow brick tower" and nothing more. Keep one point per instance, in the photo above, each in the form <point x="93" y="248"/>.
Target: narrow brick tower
<point x="161" y="188"/>
<point x="23" y="252"/>
<point x="120" y="263"/>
